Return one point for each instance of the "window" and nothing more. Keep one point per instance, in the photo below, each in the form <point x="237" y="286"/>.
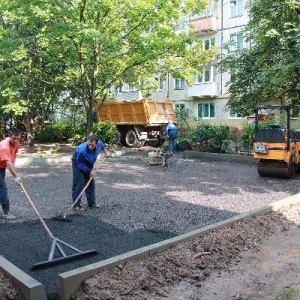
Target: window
<point x="179" y="84"/>
<point x="118" y="89"/>
<point x="234" y="115"/>
<point x="128" y="87"/>
<point x="208" y="44"/>
<point x="236" y="41"/>
<point x="209" y="12"/>
<point x="236" y="8"/>
<point x="179" y="109"/>
<point x="181" y="26"/>
<point x="179" y="106"/>
<point x="206" y="110"/>
<point x="205" y="76"/>
<point x="160" y="83"/>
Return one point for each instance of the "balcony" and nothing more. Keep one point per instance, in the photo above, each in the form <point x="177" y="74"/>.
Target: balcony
<point x="131" y="95"/>
<point x="207" y="89"/>
<point x="205" y="25"/>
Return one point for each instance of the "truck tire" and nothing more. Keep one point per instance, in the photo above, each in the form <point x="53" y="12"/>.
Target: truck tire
<point x="120" y="137"/>
<point x="156" y="143"/>
<point x="140" y="144"/>
<point x="131" y="139"/>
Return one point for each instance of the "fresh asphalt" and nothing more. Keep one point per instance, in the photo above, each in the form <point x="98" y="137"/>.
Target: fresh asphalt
<point x="26" y="244"/>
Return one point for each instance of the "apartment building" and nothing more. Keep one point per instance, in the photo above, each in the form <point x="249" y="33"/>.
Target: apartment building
<point x="222" y="23"/>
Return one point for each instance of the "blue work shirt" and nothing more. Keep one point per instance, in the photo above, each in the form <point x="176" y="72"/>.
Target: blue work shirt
<point x="84" y="158"/>
<point x="171" y="128"/>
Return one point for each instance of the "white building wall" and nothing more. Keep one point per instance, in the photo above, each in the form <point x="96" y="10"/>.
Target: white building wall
<point x="218" y="25"/>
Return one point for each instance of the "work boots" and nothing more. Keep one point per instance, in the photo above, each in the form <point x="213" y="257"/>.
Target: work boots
<point x="6" y="214"/>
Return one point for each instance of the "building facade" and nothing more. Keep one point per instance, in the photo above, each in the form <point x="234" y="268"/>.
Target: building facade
<point x="221" y="24"/>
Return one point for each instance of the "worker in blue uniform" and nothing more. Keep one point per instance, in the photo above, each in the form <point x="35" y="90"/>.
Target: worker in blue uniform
<point x="171" y="133"/>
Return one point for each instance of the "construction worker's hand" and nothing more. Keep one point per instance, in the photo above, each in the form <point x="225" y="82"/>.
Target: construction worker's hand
<point x="18" y="180"/>
<point x="91" y="175"/>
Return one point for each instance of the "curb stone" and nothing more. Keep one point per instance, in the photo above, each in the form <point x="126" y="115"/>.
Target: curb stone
<point x="30" y="288"/>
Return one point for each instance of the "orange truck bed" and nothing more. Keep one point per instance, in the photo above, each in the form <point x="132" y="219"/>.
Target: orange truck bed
<point x="140" y="112"/>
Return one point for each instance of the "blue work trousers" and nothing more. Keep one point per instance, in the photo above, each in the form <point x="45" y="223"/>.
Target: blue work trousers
<point x="172" y="137"/>
<point x="3" y="188"/>
<point x="80" y="179"/>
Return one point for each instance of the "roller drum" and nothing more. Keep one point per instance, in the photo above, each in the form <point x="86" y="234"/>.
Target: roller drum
<point x="280" y="170"/>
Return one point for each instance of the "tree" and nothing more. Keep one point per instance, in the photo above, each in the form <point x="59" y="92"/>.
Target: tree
<point x="270" y="68"/>
<point x="28" y="89"/>
<point x="102" y="43"/>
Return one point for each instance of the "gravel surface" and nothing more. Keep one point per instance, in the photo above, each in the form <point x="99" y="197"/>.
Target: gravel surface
<point x="141" y="205"/>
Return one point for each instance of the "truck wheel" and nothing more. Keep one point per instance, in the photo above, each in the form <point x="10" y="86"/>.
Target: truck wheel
<point x="140" y="144"/>
<point x="155" y="143"/>
<point x="120" y="137"/>
<point x="131" y="139"/>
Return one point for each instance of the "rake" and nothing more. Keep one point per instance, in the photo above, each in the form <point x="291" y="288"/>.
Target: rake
<point x="57" y="244"/>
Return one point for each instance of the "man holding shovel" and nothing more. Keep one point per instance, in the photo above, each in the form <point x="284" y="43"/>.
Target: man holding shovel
<point x="83" y="160"/>
<point x="8" y="151"/>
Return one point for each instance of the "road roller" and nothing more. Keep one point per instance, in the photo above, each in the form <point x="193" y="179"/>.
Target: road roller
<point x="275" y="147"/>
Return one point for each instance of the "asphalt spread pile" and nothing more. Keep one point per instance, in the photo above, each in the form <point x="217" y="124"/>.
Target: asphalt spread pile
<point x="26" y="244"/>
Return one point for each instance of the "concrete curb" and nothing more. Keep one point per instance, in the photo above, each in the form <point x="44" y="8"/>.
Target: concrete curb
<point x="69" y="282"/>
<point x="42" y="160"/>
<point x="56" y="159"/>
<point x="29" y="287"/>
<point x="219" y="157"/>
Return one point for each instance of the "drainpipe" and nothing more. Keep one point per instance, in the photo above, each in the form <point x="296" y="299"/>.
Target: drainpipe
<point x="222" y="28"/>
<point x="168" y="87"/>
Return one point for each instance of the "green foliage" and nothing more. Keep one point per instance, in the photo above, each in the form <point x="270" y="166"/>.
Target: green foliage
<point x="212" y="138"/>
<point x="105" y="131"/>
<point x="269" y="69"/>
<point x="183" y="117"/>
<point x="79" y="135"/>
<point x="56" y="133"/>
<point x="88" y="47"/>
<point x="247" y="137"/>
<point x="288" y="293"/>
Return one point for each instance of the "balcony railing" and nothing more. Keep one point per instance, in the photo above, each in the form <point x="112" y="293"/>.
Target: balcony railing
<point x="131" y="95"/>
<point x="209" y="89"/>
<point x="205" y="25"/>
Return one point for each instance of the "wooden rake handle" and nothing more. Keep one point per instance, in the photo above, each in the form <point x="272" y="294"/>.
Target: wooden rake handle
<point x="51" y="236"/>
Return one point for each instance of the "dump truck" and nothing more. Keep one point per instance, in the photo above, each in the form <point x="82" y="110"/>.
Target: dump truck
<point x="138" y="122"/>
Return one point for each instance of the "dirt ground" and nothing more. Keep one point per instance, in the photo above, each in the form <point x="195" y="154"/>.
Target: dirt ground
<point x="257" y="258"/>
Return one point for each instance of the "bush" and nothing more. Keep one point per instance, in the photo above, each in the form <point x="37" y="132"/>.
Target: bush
<point x="54" y="134"/>
<point x="212" y="138"/>
<point x="79" y="135"/>
<point x="106" y="132"/>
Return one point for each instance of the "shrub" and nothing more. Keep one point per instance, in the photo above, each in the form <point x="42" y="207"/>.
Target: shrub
<point x="54" y="134"/>
<point x="212" y="138"/>
<point x="106" y="132"/>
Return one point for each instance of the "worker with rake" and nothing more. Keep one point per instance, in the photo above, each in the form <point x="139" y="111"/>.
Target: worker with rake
<point x="8" y="151"/>
<point x="83" y="160"/>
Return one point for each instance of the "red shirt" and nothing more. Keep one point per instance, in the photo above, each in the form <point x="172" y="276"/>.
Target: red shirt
<point x="7" y="152"/>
